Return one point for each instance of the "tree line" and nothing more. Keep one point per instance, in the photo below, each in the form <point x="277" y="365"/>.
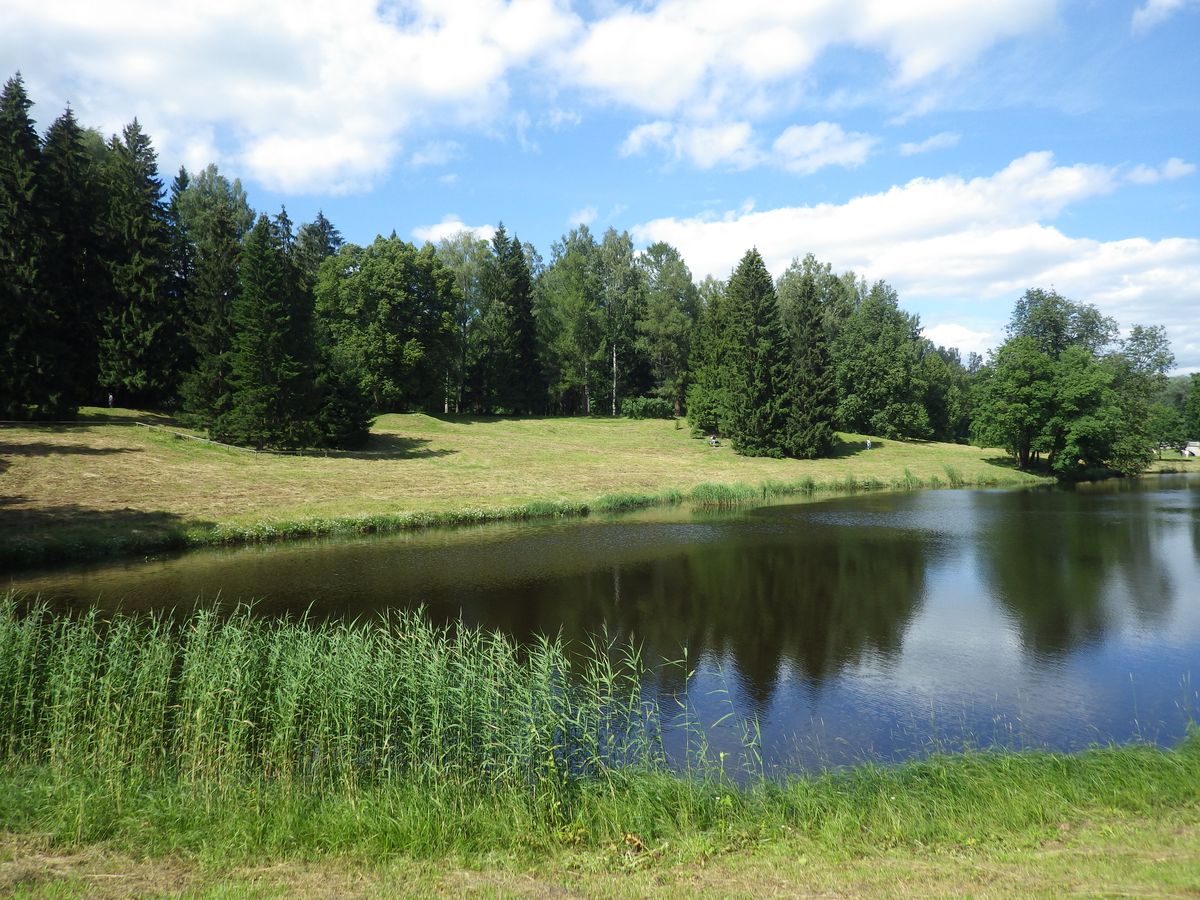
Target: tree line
<point x="274" y="336"/>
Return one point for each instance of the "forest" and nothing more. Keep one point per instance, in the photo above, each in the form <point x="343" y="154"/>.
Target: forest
<point x="119" y="289"/>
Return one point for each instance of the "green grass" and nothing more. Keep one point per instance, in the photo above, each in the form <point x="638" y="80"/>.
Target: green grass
<point x="104" y="487"/>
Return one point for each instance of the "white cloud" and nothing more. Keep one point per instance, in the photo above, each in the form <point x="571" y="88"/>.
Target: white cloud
<point x="967" y="340"/>
<point x="450" y="226"/>
<point x="806" y="148"/>
<point x="978" y="242"/>
<point x="1155" y="12"/>
<point x="307" y="96"/>
<point x="585" y="216"/>
<point x="802" y="149"/>
<point x="1170" y="170"/>
<point x="706" y="59"/>
<point x="943" y="140"/>
<point x="436" y="153"/>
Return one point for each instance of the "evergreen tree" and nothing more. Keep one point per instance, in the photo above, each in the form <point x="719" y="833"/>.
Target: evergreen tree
<point x="273" y="402"/>
<point x="77" y="280"/>
<point x="29" y="356"/>
<point x="316" y="241"/>
<point x="759" y="382"/>
<point x="508" y="372"/>
<point x="214" y="288"/>
<point x="141" y="344"/>
<point x="708" y="399"/>
<point x="811" y="399"/>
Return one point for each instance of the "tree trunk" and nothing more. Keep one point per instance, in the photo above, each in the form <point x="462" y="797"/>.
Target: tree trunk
<point x="614" y="379"/>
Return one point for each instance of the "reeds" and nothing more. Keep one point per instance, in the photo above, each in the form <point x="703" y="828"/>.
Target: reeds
<point x="229" y="700"/>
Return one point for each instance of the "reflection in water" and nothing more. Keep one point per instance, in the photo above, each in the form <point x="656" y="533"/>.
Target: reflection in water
<point x="871" y="623"/>
<point x="1060" y="561"/>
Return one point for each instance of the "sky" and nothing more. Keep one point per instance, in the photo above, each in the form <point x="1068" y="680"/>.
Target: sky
<point x="961" y="150"/>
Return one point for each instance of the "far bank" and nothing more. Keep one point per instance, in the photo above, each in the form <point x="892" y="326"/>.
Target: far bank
<point x="105" y="486"/>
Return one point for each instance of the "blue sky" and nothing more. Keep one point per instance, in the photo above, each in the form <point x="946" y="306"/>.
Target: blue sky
<point x="963" y="151"/>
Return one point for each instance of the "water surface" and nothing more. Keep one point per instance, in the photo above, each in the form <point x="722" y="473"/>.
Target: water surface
<point x="869" y="626"/>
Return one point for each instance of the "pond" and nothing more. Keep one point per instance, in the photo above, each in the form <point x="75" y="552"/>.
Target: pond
<point x="874" y="626"/>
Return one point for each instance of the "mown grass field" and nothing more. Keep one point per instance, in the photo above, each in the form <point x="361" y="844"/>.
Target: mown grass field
<point x="105" y="485"/>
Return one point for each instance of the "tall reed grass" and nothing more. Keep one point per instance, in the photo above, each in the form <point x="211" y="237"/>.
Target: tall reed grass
<point x="227" y="700"/>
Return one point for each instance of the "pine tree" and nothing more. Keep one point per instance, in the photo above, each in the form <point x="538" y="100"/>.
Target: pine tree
<point x="29" y="385"/>
<point x="77" y="279"/>
<point x="272" y="402"/>
<point x="142" y="331"/>
<point x="759" y="369"/>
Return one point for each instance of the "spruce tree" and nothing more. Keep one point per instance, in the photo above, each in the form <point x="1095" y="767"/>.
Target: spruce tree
<point x="758" y="370"/>
<point x="708" y="398"/>
<point x="511" y="379"/>
<point x="810" y="394"/>
<point x="205" y="392"/>
<point x="316" y="241"/>
<point x="140" y="345"/>
<point x="77" y="279"/>
<point x="29" y="385"/>
<point x="272" y="402"/>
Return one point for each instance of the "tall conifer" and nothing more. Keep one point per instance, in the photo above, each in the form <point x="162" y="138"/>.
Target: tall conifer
<point x="811" y="399"/>
<point x="27" y="357"/>
<point x="759" y="368"/>
<point x="272" y="399"/>
<point x="77" y="279"/>
<point x="140" y="346"/>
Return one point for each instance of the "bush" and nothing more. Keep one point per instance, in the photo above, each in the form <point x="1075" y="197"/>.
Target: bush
<point x="647" y="408"/>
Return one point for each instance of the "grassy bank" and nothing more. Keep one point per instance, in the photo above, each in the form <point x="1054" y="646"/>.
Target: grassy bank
<point x="212" y="743"/>
<point x="105" y="487"/>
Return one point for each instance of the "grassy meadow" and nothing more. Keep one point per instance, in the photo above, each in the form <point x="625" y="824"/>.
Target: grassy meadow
<point x="107" y="486"/>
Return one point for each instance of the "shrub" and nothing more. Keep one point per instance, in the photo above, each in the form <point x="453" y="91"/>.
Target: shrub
<point x="647" y="408"/>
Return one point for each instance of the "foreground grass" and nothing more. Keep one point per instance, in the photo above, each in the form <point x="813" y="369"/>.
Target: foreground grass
<point x="105" y="486"/>
<point x="404" y="757"/>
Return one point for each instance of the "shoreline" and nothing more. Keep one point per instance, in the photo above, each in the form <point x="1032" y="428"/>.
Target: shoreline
<point x="51" y="548"/>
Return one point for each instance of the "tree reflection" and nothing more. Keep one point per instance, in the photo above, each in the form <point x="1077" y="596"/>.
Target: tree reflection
<point x="1063" y="563"/>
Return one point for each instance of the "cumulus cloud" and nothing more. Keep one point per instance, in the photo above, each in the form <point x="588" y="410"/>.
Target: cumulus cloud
<point x="806" y="148"/>
<point x="305" y="96"/>
<point x="1154" y="12"/>
<point x="979" y="242"/>
<point x="449" y="227"/>
<point x="310" y="96"/>
<point x="1170" y="170"/>
<point x="802" y="149"/>
<point x="943" y="140"/>
<point x="706" y="58"/>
